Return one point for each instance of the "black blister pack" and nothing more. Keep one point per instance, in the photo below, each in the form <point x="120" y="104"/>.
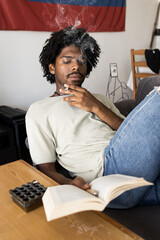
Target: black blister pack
<point x="28" y="196"/>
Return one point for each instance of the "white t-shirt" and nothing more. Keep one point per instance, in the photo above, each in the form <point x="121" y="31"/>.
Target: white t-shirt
<point x="74" y="137"/>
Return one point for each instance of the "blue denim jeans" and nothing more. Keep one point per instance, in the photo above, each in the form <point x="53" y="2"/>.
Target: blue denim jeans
<point x="135" y="151"/>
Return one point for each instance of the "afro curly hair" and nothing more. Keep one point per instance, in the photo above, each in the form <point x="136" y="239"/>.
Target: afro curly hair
<point x="66" y="37"/>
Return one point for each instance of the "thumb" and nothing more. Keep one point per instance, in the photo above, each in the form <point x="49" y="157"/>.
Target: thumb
<point x="79" y="182"/>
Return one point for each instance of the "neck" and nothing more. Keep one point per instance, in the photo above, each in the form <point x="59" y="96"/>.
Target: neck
<point x="57" y="93"/>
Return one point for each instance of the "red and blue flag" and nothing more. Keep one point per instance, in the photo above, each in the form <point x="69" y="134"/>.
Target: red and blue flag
<point x="53" y="15"/>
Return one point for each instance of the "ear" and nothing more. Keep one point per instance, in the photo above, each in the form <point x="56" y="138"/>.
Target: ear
<point x="52" y="68"/>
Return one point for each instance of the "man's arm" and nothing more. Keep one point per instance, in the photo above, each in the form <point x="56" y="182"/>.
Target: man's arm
<point x="107" y="116"/>
<point x="83" y="99"/>
<point x="50" y="170"/>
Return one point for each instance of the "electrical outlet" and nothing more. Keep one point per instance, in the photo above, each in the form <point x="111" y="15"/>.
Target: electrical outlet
<point x="113" y="70"/>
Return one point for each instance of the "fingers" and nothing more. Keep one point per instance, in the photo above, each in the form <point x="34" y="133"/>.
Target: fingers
<point x="70" y="92"/>
<point x="79" y="97"/>
<point x="79" y="182"/>
<point x="73" y="90"/>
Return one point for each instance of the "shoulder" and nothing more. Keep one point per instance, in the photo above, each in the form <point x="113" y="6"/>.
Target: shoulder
<point x="41" y="108"/>
<point x="36" y="106"/>
<point x="105" y="100"/>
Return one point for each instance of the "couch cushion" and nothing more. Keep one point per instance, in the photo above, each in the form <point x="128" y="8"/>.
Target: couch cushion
<point x="126" y="106"/>
<point x="146" y="86"/>
<point x="142" y="220"/>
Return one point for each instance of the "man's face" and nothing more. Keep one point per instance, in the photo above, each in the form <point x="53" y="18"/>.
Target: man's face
<point x="70" y="67"/>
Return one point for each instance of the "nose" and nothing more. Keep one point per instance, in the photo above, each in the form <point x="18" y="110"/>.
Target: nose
<point x="75" y="65"/>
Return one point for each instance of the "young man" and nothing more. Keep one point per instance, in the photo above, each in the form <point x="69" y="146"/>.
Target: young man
<point x="84" y="132"/>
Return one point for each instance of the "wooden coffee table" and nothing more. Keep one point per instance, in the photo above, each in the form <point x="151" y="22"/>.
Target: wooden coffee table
<point x="16" y="224"/>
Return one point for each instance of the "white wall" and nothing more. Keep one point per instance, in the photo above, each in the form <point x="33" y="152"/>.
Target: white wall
<point x="21" y="81"/>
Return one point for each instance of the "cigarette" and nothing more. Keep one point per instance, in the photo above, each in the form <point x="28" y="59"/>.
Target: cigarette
<point x="66" y="89"/>
<point x="93" y="192"/>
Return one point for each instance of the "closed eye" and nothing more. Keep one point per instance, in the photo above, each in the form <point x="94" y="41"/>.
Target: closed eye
<point x="67" y="61"/>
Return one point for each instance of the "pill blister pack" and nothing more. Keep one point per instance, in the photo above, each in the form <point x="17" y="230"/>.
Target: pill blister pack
<point x="28" y="196"/>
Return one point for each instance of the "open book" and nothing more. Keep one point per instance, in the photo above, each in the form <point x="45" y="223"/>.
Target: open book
<point x="63" y="200"/>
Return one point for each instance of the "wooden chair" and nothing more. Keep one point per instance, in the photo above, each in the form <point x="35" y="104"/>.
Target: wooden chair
<point x="135" y="64"/>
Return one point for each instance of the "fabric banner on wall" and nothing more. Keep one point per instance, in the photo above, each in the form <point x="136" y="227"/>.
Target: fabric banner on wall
<point x="53" y="15"/>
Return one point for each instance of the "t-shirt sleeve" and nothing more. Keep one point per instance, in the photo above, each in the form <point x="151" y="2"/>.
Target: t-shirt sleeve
<point x="41" y="145"/>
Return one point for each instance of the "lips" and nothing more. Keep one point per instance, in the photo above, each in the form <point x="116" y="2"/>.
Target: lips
<point x="75" y="76"/>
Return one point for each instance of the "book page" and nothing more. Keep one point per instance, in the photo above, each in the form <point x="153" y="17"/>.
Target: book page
<point x="63" y="200"/>
<point x="111" y="186"/>
<point x="68" y="193"/>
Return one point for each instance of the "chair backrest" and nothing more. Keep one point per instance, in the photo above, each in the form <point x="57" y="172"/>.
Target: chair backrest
<point x="135" y="65"/>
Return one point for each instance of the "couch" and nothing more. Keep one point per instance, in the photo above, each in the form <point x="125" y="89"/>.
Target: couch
<point x="143" y="220"/>
<point x="145" y="86"/>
